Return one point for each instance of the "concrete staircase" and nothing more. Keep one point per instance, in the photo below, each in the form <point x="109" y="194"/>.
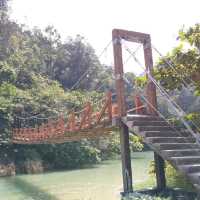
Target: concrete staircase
<point x="172" y="144"/>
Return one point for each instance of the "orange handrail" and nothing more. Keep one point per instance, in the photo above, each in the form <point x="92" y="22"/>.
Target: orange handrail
<point x="77" y="122"/>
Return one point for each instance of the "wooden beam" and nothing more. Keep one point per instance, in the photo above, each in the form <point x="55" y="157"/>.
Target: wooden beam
<point x="124" y="133"/>
<point x="131" y="36"/>
<point x="145" y="39"/>
<point x="151" y="108"/>
<point x="109" y="99"/>
<point x="151" y="88"/>
<point x="160" y="172"/>
<point x="102" y="112"/>
<point x="119" y="74"/>
<point x="126" y="158"/>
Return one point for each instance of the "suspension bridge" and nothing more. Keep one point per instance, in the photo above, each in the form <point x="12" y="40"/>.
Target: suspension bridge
<point x="178" y="146"/>
<point x="78" y="125"/>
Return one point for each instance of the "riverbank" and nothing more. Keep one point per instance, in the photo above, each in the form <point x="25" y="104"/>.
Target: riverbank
<point x="18" y="162"/>
<point x="28" y="167"/>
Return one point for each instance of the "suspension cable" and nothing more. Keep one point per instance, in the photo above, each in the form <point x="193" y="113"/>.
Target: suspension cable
<point x="89" y="70"/>
<point x="163" y="117"/>
<point x="163" y="92"/>
<point x="160" y="114"/>
<point x="112" y="77"/>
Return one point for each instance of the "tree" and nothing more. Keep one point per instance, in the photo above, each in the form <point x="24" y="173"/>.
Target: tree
<point x="76" y="58"/>
<point x="47" y="48"/>
<point x="3" y="4"/>
<point x="185" y="59"/>
<point x="36" y="69"/>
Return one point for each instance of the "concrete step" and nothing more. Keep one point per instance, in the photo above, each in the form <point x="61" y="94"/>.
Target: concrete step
<point x="142" y="118"/>
<point x="156" y="128"/>
<point x="21" y="139"/>
<point x="5" y="142"/>
<point x="191" y="168"/>
<point x="170" y="140"/>
<point x="129" y="124"/>
<point x="176" y="146"/>
<point x="185" y="133"/>
<point x="163" y="134"/>
<point x="150" y="123"/>
<point x="195" y="177"/>
<point x="197" y="186"/>
<point x="181" y="152"/>
<point x="186" y="160"/>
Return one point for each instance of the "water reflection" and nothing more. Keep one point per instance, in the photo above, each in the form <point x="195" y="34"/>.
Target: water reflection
<point x="96" y="183"/>
<point x="31" y="191"/>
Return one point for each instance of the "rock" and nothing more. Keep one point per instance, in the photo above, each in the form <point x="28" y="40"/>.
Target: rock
<point x="33" y="167"/>
<point x="7" y="170"/>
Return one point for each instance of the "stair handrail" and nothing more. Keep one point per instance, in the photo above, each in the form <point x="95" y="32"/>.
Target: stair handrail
<point x="149" y="103"/>
<point x="145" y="69"/>
<point x="161" y="115"/>
<point x="177" y="108"/>
<point x="156" y="110"/>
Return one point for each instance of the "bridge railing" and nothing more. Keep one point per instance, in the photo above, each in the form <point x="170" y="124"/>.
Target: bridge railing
<point x="75" y="122"/>
<point x="82" y="121"/>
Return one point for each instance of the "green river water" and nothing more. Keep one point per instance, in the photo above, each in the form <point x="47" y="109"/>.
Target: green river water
<point x="102" y="182"/>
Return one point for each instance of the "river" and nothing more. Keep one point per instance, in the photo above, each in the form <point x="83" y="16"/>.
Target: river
<point x="101" y="182"/>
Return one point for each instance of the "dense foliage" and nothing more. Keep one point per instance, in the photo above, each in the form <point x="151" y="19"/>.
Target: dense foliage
<point x="37" y="73"/>
<point x="185" y="59"/>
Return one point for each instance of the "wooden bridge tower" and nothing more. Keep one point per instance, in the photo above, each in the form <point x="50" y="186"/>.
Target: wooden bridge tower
<point x="118" y="35"/>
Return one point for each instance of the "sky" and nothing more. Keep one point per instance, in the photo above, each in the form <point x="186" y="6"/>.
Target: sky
<point x="95" y="19"/>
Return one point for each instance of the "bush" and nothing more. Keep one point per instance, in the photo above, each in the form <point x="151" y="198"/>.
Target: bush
<point x="174" y="178"/>
<point x="109" y="147"/>
<point x="136" y="143"/>
<point x="137" y="196"/>
<point x="27" y="160"/>
<point x="68" y="156"/>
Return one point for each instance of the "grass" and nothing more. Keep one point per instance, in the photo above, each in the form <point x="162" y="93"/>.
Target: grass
<point x="144" y="197"/>
<point x="173" y="181"/>
<point x="148" y="184"/>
